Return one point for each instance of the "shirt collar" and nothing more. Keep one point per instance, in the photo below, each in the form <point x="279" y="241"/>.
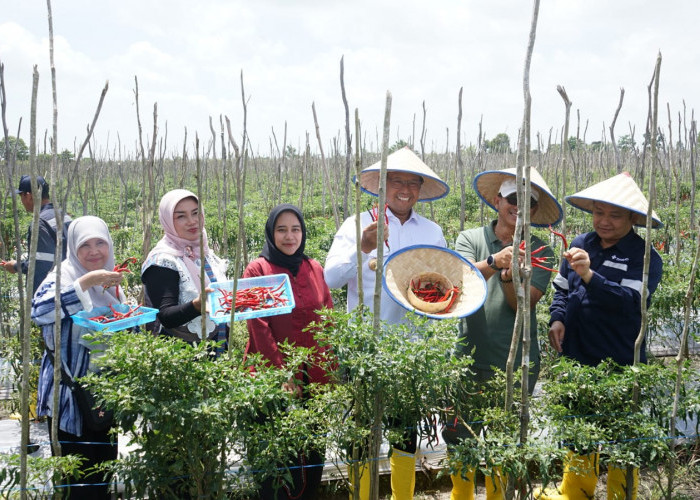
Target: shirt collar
<point x="412" y="218"/>
<point x="624" y="245"/>
<point x="491" y="232"/>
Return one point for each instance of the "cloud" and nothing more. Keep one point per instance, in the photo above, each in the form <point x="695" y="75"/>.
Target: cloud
<point x="189" y="57"/>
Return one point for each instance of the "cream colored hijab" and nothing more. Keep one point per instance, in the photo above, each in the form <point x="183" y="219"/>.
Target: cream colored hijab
<point x="79" y="231"/>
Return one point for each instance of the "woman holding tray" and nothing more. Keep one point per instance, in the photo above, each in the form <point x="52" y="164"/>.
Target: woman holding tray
<point x="87" y="281"/>
<point x="283" y="253"/>
<point x="171" y="272"/>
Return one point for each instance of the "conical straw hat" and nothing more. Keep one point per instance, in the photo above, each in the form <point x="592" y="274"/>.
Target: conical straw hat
<point x="549" y="211"/>
<point x="621" y="191"/>
<point x="411" y="261"/>
<point x="405" y="160"/>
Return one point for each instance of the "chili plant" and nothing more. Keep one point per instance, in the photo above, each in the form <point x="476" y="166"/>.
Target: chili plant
<point x="199" y="425"/>
<point x="404" y="376"/>
<point x="591" y="409"/>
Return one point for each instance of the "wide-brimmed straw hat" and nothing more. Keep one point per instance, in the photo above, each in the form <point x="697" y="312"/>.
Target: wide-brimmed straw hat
<point x="405" y="160"/>
<point x="549" y="212"/>
<point x="411" y="261"/>
<point x="621" y="191"/>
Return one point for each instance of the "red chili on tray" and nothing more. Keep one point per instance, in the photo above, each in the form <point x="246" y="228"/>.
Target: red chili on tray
<point x="253" y="299"/>
<point x="116" y="315"/>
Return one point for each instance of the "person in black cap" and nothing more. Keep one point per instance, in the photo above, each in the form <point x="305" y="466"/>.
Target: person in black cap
<point x="46" y="247"/>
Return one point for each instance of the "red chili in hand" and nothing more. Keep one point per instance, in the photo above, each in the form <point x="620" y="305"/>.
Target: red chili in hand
<point x="124" y="268"/>
<point x="538" y="261"/>
<point x="563" y="238"/>
<point x="374" y="213"/>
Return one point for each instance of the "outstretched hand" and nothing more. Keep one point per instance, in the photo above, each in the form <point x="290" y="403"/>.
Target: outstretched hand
<point x="100" y="277"/>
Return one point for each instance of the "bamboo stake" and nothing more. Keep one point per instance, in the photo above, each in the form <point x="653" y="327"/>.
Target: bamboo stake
<point x="460" y="166"/>
<point x="358" y="224"/>
<point x="378" y="406"/>
<point x="325" y="169"/>
<point x="27" y="304"/>
<point x="355" y="453"/>
<point x="236" y="255"/>
<point x="55" y="445"/>
<point x="10" y="164"/>
<point x="565" y="146"/>
<point x="676" y="176"/>
<point x="680" y="360"/>
<point x="693" y="168"/>
<point x="647" y="245"/>
<point x="202" y="259"/>
<point x="612" y="132"/>
<point x="348" y="138"/>
<point x="652" y="197"/>
<point x="522" y="226"/>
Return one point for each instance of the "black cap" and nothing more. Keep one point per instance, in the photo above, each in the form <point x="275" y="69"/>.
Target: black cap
<point x="25" y="185"/>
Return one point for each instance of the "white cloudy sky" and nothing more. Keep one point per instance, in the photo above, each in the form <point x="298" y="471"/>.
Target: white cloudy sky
<point x="188" y="57"/>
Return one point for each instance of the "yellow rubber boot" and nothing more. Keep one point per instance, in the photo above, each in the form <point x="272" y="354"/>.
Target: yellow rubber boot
<point x="403" y="475"/>
<point x="617" y="483"/>
<point x="32" y="408"/>
<point x="362" y="484"/>
<point x="495" y="485"/>
<point x="579" y="481"/>
<point x="463" y="486"/>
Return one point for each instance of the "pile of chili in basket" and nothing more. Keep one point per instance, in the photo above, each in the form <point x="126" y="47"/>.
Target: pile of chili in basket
<point x="433" y="293"/>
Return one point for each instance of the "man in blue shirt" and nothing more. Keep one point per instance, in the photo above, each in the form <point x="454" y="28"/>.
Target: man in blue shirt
<point x="46" y="247"/>
<point x="596" y="311"/>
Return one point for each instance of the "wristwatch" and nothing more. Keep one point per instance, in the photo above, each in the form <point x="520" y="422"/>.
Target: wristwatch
<point x="492" y="263"/>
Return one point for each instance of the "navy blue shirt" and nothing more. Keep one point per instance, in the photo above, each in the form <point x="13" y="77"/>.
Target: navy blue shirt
<point x="603" y="318"/>
<point x="46" y="244"/>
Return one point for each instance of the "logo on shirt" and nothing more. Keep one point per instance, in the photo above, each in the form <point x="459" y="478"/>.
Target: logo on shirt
<point x="619" y="259"/>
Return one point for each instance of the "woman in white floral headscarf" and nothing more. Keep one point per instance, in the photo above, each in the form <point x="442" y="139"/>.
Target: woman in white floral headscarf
<point x="171" y="272"/>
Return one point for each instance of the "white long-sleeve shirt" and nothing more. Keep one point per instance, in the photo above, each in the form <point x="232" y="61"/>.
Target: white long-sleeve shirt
<point x="341" y="262"/>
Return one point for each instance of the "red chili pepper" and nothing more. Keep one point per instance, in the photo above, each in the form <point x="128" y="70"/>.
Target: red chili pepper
<point x="539" y="249"/>
<point x="374" y="213"/>
<point x="563" y="238"/>
<point x="535" y="264"/>
<point x="452" y="301"/>
<point x="124" y="268"/>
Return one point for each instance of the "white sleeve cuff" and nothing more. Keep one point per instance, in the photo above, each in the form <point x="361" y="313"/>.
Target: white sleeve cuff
<point x="83" y="296"/>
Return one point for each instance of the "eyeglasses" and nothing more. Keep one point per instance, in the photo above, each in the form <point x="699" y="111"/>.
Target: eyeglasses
<point x="512" y="199"/>
<point x="411" y="184"/>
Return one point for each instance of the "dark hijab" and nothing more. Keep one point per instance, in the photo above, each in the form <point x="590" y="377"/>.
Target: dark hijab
<point x="271" y="252"/>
